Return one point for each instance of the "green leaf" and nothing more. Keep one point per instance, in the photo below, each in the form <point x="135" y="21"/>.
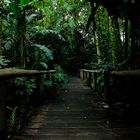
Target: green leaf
<point x="3" y="61"/>
<point x="8" y="44"/>
<point x="24" y="2"/>
<point x="44" y="65"/>
<point x="31" y="17"/>
<point x="47" y="52"/>
<point x="12" y="7"/>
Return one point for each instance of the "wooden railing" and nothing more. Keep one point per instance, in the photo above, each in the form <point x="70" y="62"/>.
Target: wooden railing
<point x="7" y="74"/>
<point x="130" y="78"/>
<point x="121" y="90"/>
<point x="90" y="75"/>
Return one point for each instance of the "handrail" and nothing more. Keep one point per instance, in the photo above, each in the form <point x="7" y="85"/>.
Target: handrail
<point x="107" y="75"/>
<point x="91" y="75"/>
<point x="95" y="71"/>
<point x="86" y="74"/>
<point x="12" y="73"/>
<point x="22" y="72"/>
<point x="135" y="72"/>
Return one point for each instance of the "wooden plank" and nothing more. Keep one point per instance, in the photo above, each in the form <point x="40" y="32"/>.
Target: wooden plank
<point x="126" y="73"/>
<point x="95" y="71"/>
<point x="21" y="72"/>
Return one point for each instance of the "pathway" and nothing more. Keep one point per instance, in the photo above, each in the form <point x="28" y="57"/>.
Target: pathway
<point x="76" y="115"/>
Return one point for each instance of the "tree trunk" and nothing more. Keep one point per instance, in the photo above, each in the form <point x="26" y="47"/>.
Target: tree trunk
<point x="99" y="54"/>
<point x="118" y="44"/>
<point x="126" y="37"/>
<point x="135" y="43"/>
<point x="1" y="30"/>
<point x="21" y="39"/>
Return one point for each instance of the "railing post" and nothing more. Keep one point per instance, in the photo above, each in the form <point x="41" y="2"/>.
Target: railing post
<point x="2" y="110"/>
<point x="37" y="95"/>
<point x="107" y="87"/>
<point x="92" y="80"/>
<point x="50" y="75"/>
<point x="81" y="74"/>
<point x="88" y="74"/>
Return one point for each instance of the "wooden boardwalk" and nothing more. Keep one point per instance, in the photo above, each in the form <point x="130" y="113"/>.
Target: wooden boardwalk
<point x="76" y="114"/>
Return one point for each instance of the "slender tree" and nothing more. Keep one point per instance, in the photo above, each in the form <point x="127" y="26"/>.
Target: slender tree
<point x="1" y="9"/>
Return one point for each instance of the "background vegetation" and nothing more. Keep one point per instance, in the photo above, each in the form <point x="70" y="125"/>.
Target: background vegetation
<point x="66" y="35"/>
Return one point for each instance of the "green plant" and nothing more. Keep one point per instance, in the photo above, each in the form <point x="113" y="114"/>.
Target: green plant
<point x="52" y="83"/>
<point x="3" y="62"/>
<point x="48" y="83"/>
<point x="57" y="80"/>
<point x="16" y="118"/>
<point x="60" y="77"/>
<point x="13" y="125"/>
<point x="24" y="86"/>
<point x="19" y="103"/>
<point x="42" y="55"/>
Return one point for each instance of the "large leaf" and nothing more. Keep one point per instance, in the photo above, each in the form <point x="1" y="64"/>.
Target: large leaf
<point x="30" y="18"/>
<point x="47" y="52"/>
<point x="44" y="65"/>
<point x="3" y="62"/>
<point x="8" y="44"/>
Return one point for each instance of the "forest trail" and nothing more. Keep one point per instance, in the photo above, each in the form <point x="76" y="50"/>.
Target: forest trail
<point x="76" y="114"/>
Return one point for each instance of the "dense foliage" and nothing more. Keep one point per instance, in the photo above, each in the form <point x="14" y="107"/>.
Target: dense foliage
<point x="66" y="35"/>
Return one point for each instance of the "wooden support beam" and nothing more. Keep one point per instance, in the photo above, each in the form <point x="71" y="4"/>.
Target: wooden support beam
<point x="93" y="80"/>
<point x="107" y="87"/>
<point x="81" y="74"/>
<point x="2" y="109"/>
<point x="37" y="95"/>
<point x="87" y="74"/>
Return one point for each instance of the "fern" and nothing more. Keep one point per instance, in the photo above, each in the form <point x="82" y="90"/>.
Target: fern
<point x="45" y="51"/>
<point x="3" y="62"/>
